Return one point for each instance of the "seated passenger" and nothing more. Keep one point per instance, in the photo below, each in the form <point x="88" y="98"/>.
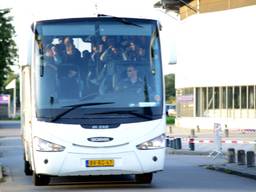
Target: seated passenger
<point x="68" y="77"/>
<point x="132" y="81"/>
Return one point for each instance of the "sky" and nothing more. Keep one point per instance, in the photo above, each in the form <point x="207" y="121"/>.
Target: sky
<point x="25" y="12"/>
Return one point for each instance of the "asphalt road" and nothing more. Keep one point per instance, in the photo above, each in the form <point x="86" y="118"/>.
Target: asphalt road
<point x="9" y="124"/>
<point x="182" y="173"/>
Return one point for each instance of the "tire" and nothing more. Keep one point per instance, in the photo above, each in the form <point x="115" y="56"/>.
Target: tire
<point x="40" y="180"/>
<point x="27" y="167"/>
<point x="145" y="178"/>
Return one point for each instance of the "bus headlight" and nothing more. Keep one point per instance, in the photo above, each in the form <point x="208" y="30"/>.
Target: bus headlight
<point x="46" y="146"/>
<point x="156" y="143"/>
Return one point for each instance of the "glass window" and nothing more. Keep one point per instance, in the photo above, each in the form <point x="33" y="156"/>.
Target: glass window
<point x="251" y="97"/>
<point x="244" y="97"/>
<point x="185" y="102"/>
<point x="216" y="98"/>
<point x="198" y="102"/>
<point x="210" y="97"/>
<point x="230" y="97"/>
<point x="204" y="97"/>
<point x="224" y="98"/>
<point x="237" y="97"/>
<point x="89" y="67"/>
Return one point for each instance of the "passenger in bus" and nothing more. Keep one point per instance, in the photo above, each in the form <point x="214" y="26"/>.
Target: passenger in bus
<point x="56" y="55"/>
<point x="71" y="55"/>
<point x="52" y="56"/>
<point x="103" y="44"/>
<point x="141" y="55"/>
<point x="48" y="54"/>
<point x="112" y="54"/>
<point x="131" y="52"/>
<point x="132" y="81"/>
<point x="68" y="79"/>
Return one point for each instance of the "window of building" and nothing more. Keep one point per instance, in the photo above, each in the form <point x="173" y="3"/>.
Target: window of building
<point x="210" y="98"/>
<point x="244" y="97"/>
<point x="236" y="97"/>
<point x="223" y="98"/>
<point x="216" y="98"/>
<point x="230" y="97"/>
<point x="251" y="97"/>
<point x="198" y="102"/>
<point x="185" y="102"/>
<point x="232" y="102"/>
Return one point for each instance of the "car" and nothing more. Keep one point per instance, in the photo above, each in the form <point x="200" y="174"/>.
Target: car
<point x="170" y="109"/>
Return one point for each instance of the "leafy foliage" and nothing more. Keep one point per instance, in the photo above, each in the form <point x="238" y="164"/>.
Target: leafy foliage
<point x="8" y="50"/>
<point x="170" y="120"/>
<point x="170" y="88"/>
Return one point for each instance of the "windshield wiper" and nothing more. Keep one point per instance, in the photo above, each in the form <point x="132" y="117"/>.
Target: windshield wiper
<point x="129" y="112"/>
<point x="75" y="106"/>
<point x="122" y="20"/>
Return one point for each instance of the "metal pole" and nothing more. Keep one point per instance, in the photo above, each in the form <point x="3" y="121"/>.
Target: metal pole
<point x="14" y="101"/>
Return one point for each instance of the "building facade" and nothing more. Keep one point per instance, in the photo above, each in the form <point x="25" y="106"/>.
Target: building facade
<point x="215" y="76"/>
<point x="215" y="80"/>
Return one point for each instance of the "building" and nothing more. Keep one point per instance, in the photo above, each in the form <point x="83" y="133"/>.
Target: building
<point x="215" y="78"/>
<point x="4" y="106"/>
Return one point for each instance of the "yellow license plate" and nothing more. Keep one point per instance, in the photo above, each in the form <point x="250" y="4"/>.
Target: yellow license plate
<point x="100" y="163"/>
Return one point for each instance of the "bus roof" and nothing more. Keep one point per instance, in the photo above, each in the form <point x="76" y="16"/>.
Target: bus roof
<point x="85" y="9"/>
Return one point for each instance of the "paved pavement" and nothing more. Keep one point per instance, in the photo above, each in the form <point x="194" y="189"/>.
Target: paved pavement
<point x="219" y="163"/>
<point x="8" y="129"/>
<point x="205" y="144"/>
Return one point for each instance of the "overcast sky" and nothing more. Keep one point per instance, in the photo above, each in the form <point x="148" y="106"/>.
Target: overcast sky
<point x="24" y="10"/>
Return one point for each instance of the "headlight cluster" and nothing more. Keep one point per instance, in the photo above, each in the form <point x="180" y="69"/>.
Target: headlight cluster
<point x="156" y="143"/>
<point x="46" y="146"/>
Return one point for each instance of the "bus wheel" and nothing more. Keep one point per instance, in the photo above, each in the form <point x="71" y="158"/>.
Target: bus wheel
<point x="27" y="167"/>
<point x="40" y="180"/>
<point x="145" y="178"/>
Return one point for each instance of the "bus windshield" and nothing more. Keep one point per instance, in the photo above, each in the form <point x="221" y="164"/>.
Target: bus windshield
<point x="97" y="68"/>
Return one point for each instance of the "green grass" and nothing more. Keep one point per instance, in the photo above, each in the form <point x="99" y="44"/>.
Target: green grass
<point x="11" y="119"/>
<point x="170" y="120"/>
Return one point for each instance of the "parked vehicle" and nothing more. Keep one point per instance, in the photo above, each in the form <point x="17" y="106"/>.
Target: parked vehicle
<point x="170" y="109"/>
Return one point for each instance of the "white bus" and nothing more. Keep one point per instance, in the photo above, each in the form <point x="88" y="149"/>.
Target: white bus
<point x="92" y="99"/>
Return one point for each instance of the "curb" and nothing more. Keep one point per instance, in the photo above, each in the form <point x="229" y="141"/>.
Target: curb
<point x="1" y="173"/>
<point x="223" y="169"/>
<point x="186" y="152"/>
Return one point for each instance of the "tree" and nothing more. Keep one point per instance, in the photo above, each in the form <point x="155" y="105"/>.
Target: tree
<point x="169" y="88"/>
<point x="8" y="50"/>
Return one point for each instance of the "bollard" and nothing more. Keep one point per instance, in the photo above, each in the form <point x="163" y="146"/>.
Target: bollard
<point x="250" y="157"/>
<point x="167" y="141"/>
<point x="198" y="128"/>
<point x="175" y="143"/>
<point x="231" y="155"/>
<point x="178" y="143"/>
<point x="170" y="129"/>
<point x="191" y="144"/>
<point x="226" y="133"/>
<point x="192" y="132"/>
<point x="241" y="157"/>
<point x="172" y="143"/>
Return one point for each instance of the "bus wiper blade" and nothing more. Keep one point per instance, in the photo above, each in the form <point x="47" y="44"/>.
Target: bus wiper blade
<point x="130" y="112"/>
<point x="122" y="20"/>
<point x="75" y="106"/>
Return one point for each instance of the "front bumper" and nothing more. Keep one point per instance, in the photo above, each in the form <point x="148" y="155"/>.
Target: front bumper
<point x="71" y="163"/>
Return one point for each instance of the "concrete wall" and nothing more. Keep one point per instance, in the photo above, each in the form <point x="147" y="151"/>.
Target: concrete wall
<point x="217" y="49"/>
